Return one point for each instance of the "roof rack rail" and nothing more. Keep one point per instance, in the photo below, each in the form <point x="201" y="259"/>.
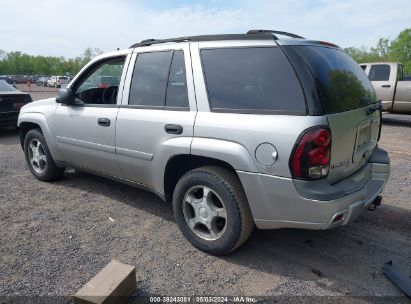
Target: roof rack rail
<point x="253" y="32"/>
<point x="259" y="36"/>
<point x="148" y="42"/>
<point x="251" y="35"/>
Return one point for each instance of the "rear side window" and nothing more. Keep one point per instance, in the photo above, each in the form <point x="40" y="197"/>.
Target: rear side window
<point x="159" y="80"/>
<point x="148" y="85"/>
<point x="251" y="79"/>
<point x="379" y="72"/>
<point x="177" y="84"/>
<point x="342" y="83"/>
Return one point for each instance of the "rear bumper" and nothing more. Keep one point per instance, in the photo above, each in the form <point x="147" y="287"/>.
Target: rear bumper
<point x="278" y="202"/>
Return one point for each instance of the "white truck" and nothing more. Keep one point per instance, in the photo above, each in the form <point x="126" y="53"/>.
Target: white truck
<point x="389" y="84"/>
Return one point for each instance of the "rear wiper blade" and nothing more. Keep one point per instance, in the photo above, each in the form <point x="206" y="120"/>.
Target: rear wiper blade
<point x="374" y="107"/>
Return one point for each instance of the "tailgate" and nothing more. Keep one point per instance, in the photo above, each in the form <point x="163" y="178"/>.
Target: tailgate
<point x="349" y="102"/>
<point x="355" y="136"/>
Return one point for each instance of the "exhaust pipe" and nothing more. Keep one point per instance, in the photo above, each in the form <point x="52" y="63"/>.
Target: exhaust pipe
<point x="375" y="203"/>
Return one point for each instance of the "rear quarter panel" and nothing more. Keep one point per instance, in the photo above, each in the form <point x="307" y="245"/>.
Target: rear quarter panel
<point x="234" y="137"/>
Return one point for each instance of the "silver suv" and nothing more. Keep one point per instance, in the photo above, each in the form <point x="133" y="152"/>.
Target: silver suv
<point x="236" y="130"/>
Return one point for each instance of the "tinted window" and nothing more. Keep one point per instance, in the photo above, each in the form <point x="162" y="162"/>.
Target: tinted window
<point x="4" y="86"/>
<point x="364" y="67"/>
<point x="379" y="72"/>
<point x="177" y="82"/>
<point x="342" y="82"/>
<point x="245" y="79"/>
<point x="148" y="85"/>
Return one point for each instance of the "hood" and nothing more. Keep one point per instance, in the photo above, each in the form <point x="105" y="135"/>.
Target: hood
<point x="39" y="106"/>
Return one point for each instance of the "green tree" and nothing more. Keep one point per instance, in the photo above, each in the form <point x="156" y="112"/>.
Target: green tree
<point x="400" y="49"/>
<point x="381" y="50"/>
<point x="18" y="63"/>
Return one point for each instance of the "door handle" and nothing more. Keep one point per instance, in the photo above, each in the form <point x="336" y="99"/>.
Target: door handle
<point x="386" y="86"/>
<point x="104" y="122"/>
<point x="173" y="129"/>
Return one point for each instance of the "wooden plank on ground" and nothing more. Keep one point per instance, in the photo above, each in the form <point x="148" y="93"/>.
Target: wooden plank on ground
<point x="115" y="283"/>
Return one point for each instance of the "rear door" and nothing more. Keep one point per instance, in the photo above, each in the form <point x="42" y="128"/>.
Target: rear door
<point x="350" y="104"/>
<point x="157" y="115"/>
<point x="402" y="99"/>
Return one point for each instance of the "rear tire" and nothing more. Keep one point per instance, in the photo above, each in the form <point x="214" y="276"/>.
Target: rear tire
<point x="38" y="157"/>
<point x="212" y="210"/>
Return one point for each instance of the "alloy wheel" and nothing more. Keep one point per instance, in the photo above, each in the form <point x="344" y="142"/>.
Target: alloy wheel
<point x="204" y="212"/>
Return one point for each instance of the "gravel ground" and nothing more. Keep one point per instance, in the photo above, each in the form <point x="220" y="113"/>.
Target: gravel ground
<point x="55" y="236"/>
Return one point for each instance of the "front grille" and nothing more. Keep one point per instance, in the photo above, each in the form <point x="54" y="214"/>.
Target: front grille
<point x="7" y="102"/>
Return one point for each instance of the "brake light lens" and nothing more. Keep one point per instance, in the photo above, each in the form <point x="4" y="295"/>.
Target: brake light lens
<point x="311" y="157"/>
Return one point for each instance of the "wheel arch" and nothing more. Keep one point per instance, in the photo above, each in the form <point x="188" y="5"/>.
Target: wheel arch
<point x="28" y="121"/>
<point x="25" y="127"/>
<point x="180" y="164"/>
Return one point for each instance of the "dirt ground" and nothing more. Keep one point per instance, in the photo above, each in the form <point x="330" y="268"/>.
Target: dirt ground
<point x="55" y="236"/>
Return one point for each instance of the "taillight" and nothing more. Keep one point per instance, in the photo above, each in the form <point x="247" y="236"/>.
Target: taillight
<point x="311" y="155"/>
<point x="103" y="85"/>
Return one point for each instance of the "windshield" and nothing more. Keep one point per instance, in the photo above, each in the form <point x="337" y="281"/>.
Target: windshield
<point x="342" y="82"/>
<point x="5" y="87"/>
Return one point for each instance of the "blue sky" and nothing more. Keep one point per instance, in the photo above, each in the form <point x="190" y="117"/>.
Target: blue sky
<point x="66" y="28"/>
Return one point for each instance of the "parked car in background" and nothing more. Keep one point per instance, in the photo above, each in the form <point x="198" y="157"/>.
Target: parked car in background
<point x="392" y="88"/>
<point x="20" y="78"/>
<point x="57" y="81"/>
<point x="8" y="79"/>
<point x="42" y="81"/>
<point x="11" y="101"/>
<point x="236" y="131"/>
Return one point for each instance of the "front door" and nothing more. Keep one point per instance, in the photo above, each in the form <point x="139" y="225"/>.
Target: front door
<point x="85" y="132"/>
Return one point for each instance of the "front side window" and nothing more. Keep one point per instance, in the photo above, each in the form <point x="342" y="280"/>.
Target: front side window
<point x="159" y="80"/>
<point x="100" y="83"/>
<point x="380" y="72"/>
<point x="251" y="79"/>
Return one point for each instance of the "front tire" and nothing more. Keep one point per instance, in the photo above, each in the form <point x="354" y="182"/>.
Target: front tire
<point x="38" y="157"/>
<point x="212" y="210"/>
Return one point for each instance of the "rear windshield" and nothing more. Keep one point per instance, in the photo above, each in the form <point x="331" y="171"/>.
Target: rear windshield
<point x="248" y="80"/>
<point x="63" y="78"/>
<point x="342" y="82"/>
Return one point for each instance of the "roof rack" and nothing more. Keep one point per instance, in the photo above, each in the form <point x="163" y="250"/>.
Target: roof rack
<point x="251" y="35"/>
<point x="253" y="32"/>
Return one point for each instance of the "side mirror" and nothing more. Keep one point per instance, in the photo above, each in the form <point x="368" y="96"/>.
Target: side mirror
<point x="65" y="96"/>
